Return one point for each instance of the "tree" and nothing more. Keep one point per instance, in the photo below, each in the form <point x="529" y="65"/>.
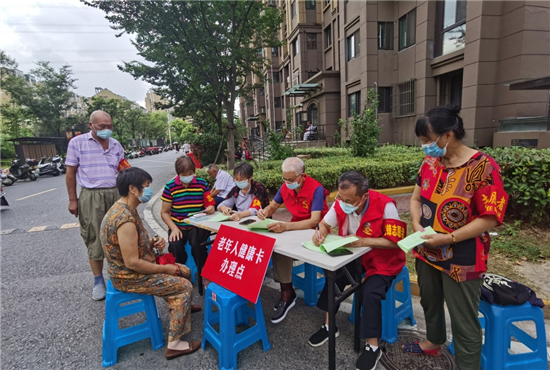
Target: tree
<point x="197" y="47"/>
<point x="47" y="100"/>
<point x="365" y="128"/>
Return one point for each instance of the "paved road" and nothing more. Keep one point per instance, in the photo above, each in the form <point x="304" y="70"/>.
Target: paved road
<point x="44" y="202"/>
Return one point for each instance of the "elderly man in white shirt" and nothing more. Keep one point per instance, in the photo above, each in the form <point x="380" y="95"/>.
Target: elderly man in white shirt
<point x="223" y="185"/>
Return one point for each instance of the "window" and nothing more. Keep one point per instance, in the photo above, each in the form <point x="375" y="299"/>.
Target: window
<point x="272" y="3"/>
<point x="274" y="52"/>
<point x="311" y="74"/>
<point x="310" y="4"/>
<point x="354" y="104"/>
<point x="450" y="26"/>
<point x="276" y="77"/>
<point x="311" y="41"/>
<point x="259" y="50"/>
<point x="277" y="102"/>
<point x="352" y="45"/>
<point x="384" y="99"/>
<point x="327" y="2"/>
<point x="262" y="91"/>
<point x="403" y="99"/>
<point x="407" y="30"/>
<point x="328" y="36"/>
<point x="293" y="8"/>
<point x="312" y="114"/>
<point x="282" y="101"/>
<point x="385" y="35"/>
<point x="278" y="125"/>
<point x="295" y="47"/>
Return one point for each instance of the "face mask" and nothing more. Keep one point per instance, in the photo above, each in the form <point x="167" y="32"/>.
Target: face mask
<point x="348" y="208"/>
<point x="242" y="184"/>
<point x="147" y="194"/>
<point x="433" y="150"/>
<point x="293" y="186"/>
<point x="104" y="134"/>
<point x="187" y="179"/>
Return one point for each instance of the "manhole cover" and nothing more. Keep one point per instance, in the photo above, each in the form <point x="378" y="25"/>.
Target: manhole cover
<point x="396" y="359"/>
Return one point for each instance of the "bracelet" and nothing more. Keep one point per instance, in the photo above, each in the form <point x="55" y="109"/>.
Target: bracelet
<point x="453" y="237"/>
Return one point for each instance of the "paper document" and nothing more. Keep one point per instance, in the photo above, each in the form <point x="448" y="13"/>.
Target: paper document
<point x="261" y="225"/>
<point x="331" y="243"/>
<point x="220" y="217"/>
<point x="415" y="239"/>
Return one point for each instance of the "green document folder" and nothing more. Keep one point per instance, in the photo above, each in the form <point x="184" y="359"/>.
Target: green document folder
<point x="262" y="225"/>
<point x="331" y="244"/>
<point x="415" y="239"/>
<point x="220" y="217"/>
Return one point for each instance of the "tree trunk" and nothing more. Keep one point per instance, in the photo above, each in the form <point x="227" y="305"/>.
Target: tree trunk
<point x="230" y="140"/>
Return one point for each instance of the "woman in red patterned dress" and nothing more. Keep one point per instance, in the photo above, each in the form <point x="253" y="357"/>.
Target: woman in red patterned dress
<point x="459" y="193"/>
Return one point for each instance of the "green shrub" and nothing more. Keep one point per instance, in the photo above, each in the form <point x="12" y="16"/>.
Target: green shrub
<point x="276" y="147"/>
<point x="526" y="175"/>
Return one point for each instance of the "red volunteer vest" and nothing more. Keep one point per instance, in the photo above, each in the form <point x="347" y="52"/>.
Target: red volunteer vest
<point x="378" y="261"/>
<point x="299" y="205"/>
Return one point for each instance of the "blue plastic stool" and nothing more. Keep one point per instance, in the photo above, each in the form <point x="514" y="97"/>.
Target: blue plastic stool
<point x="499" y="330"/>
<point x="310" y="284"/>
<point x="191" y="263"/>
<point x="395" y="308"/>
<point x="232" y="311"/>
<point x="114" y="337"/>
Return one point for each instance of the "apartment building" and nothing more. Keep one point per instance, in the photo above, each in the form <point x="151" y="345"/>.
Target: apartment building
<point x="417" y="54"/>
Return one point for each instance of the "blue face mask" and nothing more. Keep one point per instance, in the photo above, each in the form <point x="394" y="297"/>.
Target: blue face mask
<point x="104" y="134"/>
<point x="348" y="208"/>
<point x="187" y="179"/>
<point x="242" y="184"/>
<point x="147" y="195"/>
<point x="433" y="150"/>
<point x="295" y="185"/>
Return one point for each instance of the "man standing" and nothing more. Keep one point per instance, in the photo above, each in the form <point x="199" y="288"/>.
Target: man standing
<point x="305" y="199"/>
<point x="223" y="185"/>
<point x="186" y="147"/>
<point x="373" y="218"/>
<point x="94" y="160"/>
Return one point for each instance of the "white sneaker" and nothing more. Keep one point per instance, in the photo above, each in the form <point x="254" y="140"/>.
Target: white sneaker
<point x="98" y="294"/>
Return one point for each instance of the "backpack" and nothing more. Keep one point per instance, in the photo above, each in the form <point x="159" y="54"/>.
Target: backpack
<point x="500" y="290"/>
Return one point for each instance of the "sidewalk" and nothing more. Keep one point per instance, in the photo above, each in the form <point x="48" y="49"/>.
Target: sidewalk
<point x="308" y="319"/>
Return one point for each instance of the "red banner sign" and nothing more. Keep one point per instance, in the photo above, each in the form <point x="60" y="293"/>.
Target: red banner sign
<point x="238" y="261"/>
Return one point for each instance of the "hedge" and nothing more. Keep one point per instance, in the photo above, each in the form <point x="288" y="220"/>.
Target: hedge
<point x="390" y="167"/>
<point x="526" y="176"/>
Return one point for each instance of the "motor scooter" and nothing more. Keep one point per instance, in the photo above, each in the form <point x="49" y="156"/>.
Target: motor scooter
<point x="19" y="172"/>
<point x="59" y="163"/>
<point x="47" y="168"/>
<point x="3" y="201"/>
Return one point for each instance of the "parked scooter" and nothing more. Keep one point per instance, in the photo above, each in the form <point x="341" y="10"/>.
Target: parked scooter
<point x="3" y="201"/>
<point x="18" y="172"/>
<point x="7" y="178"/>
<point x="60" y="164"/>
<point x="47" y="168"/>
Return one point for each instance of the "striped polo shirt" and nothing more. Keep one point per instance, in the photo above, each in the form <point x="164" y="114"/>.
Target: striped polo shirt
<point x="97" y="168"/>
<point x="193" y="198"/>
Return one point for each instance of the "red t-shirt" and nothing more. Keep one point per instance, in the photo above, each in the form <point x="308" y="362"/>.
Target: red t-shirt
<point x="452" y="198"/>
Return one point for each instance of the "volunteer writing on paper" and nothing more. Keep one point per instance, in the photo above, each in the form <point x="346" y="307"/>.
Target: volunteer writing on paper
<point x="247" y="197"/>
<point x="305" y="199"/>
<point x="373" y="218"/>
<point x="459" y="193"/>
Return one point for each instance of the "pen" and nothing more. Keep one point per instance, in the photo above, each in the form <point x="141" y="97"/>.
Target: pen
<point x="318" y="234"/>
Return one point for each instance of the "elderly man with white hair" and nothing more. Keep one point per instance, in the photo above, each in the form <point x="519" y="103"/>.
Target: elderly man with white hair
<point x="305" y="199"/>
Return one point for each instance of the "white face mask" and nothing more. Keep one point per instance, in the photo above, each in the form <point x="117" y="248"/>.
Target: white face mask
<point x="187" y="179"/>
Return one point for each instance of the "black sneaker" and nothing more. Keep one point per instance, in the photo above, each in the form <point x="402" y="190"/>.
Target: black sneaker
<point x="281" y="309"/>
<point x="321" y="336"/>
<point x="368" y="359"/>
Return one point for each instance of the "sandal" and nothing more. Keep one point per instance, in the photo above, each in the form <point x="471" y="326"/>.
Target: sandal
<point x="414" y="349"/>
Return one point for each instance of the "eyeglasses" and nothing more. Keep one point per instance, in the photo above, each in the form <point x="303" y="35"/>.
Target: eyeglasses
<point x="291" y="181"/>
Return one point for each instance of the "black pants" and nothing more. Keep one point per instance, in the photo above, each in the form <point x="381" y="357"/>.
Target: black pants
<point x="374" y="290"/>
<point x="218" y="200"/>
<point x="196" y="237"/>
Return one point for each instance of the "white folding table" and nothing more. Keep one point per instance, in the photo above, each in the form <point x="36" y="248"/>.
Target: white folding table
<point x="289" y="243"/>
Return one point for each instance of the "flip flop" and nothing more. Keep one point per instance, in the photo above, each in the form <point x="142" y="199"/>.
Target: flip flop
<point x="414" y="349"/>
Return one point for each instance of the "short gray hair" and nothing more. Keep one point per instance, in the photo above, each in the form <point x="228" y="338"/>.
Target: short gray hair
<point x="212" y="167"/>
<point x="294" y="164"/>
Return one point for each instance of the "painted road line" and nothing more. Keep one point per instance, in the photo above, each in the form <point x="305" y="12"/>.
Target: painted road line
<point x="42" y="192"/>
<point x="6" y="232"/>
<point x="69" y="226"/>
<point x="37" y="228"/>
